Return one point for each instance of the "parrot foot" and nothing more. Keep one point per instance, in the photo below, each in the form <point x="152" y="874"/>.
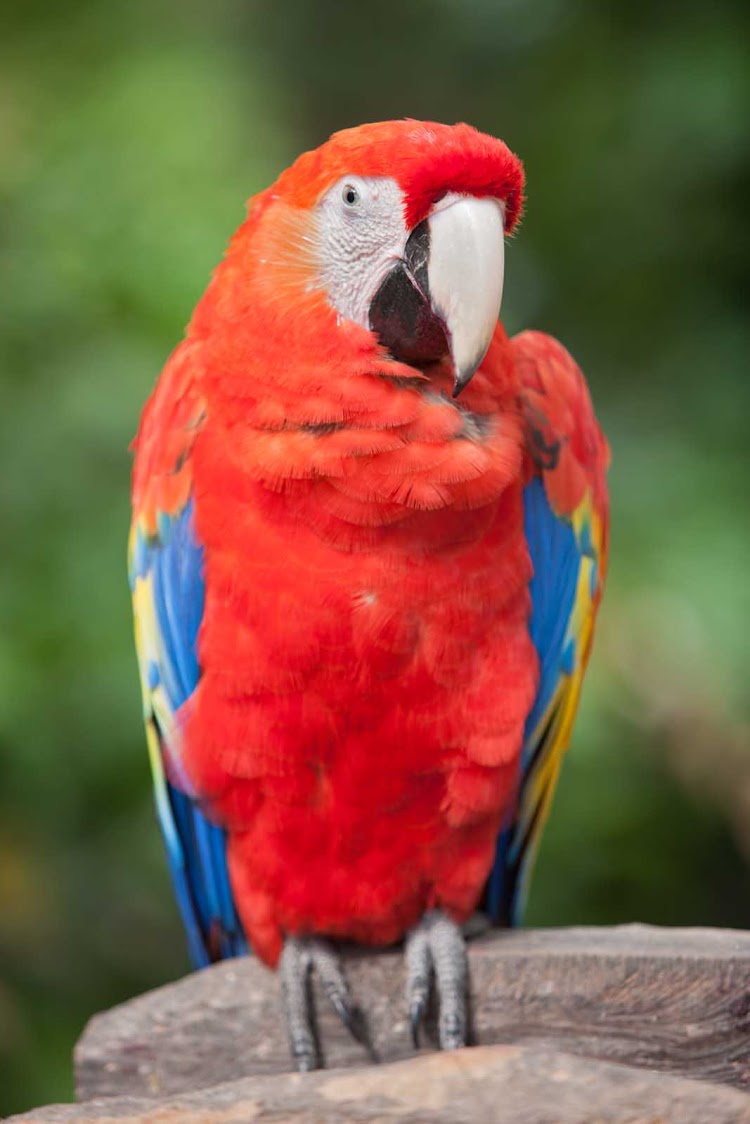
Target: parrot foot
<point x="300" y="956"/>
<point x="436" y="948"/>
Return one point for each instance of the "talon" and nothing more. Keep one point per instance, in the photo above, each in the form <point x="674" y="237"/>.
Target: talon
<point x="452" y="1033"/>
<point x="340" y="1006"/>
<point x="357" y="1027"/>
<point x="299" y="957"/>
<point x="419" y="973"/>
<point x="436" y="949"/>
<point x="294" y="971"/>
<point x="305" y="1054"/>
<point x="416" y="1014"/>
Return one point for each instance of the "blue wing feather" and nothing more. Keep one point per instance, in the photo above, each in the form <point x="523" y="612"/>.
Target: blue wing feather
<point x="556" y="551"/>
<point x="168" y="591"/>
<point x="556" y="558"/>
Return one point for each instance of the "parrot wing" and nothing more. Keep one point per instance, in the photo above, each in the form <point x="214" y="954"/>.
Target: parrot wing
<point x="566" y="526"/>
<point x="166" y="579"/>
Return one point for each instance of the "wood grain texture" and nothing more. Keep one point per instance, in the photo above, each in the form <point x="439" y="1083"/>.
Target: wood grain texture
<point x="498" y="1084"/>
<point x="669" y="999"/>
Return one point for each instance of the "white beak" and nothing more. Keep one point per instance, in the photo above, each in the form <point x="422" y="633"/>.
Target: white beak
<point x="465" y="274"/>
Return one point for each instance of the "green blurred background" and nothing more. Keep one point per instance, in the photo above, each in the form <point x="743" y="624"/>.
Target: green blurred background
<point x="130" y="136"/>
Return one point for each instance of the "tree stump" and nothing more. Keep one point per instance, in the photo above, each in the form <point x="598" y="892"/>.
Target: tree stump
<point x="552" y="1010"/>
<point x="671" y="999"/>
<point x="485" y="1085"/>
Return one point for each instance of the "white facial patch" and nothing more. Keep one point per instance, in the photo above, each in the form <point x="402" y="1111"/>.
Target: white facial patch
<point x="362" y="236"/>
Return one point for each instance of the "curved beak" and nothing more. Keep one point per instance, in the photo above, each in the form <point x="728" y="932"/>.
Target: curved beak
<point x="465" y="276"/>
<point x="444" y="295"/>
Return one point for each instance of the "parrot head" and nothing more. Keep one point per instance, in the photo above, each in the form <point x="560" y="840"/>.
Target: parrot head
<point x="399" y="228"/>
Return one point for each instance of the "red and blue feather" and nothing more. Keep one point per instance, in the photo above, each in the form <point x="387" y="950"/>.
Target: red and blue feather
<point x="565" y="527"/>
<point x="166" y="571"/>
<point x="566" y="519"/>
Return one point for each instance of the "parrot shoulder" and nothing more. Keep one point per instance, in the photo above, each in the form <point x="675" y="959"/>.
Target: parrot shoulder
<point x="563" y="439"/>
<point x="171" y="420"/>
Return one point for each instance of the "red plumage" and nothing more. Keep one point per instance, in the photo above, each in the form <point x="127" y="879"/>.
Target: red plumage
<point x="366" y="661"/>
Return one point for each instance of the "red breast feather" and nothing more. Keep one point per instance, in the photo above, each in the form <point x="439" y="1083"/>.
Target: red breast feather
<point x="366" y="664"/>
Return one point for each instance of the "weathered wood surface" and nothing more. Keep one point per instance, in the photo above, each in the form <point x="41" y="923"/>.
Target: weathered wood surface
<point x="497" y="1084"/>
<point x="669" y="999"/>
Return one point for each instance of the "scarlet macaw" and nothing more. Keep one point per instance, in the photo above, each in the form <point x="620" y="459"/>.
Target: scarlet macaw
<point x="367" y="550"/>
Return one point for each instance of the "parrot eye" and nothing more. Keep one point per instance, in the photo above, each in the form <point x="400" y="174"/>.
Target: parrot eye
<point x="350" y="195"/>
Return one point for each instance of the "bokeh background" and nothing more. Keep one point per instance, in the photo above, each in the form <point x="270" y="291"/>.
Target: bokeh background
<point x="130" y="136"/>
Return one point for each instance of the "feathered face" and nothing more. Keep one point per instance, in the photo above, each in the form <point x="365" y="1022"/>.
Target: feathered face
<point x="426" y="292"/>
<point x="401" y="225"/>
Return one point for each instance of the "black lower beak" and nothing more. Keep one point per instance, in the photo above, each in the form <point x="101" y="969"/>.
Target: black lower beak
<point x="401" y="315"/>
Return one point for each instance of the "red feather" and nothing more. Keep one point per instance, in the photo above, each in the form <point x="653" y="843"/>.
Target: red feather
<point x="366" y="663"/>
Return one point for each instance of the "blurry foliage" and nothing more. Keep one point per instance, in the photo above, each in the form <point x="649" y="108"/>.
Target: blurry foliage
<point x="129" y="137"/>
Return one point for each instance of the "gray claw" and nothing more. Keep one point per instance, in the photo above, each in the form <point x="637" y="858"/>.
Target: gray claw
<point x="299" y="957"/>
<point x="436" y="949"/>
<point x="419" y="979"/>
